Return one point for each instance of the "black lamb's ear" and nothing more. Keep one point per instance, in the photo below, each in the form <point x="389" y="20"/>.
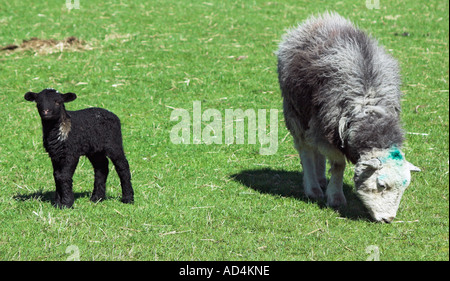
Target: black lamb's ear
<point x="68" y="97"/>
<point x="30" y="96"/>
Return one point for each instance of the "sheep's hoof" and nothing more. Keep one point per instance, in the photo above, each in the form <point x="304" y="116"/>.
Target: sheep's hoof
<point x="336" y="201"/>
<point x="96" y="198"/>
<point x="314" y="193"/>
<point x="128" y="200"/>
<point x="61" y="206"/>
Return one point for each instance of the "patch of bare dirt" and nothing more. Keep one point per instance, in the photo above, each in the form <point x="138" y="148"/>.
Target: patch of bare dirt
<point x="49" y="46"/>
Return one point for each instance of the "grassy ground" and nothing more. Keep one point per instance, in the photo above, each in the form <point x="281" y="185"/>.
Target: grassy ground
<point x="218" y="201"/>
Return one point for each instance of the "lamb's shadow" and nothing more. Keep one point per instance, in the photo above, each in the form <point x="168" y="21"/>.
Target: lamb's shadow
<point x="290" y="184"/>
<point x="47" y="196"/>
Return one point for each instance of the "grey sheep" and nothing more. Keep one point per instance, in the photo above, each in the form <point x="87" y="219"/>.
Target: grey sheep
<point x="341" y="101"/>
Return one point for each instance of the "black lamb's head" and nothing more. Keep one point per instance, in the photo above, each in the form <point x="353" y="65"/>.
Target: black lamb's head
<point x="50" y="102"/>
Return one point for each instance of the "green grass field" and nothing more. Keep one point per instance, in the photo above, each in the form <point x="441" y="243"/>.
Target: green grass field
<point x="208" y="202"/>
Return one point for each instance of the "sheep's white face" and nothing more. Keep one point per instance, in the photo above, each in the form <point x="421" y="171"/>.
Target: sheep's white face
<point x="381" y="181"/>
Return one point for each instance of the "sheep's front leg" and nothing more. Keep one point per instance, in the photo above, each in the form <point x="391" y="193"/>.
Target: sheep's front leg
<point x="63" y="173"/>
<point x="311" y="183"/>
<point x="334" y="193"/>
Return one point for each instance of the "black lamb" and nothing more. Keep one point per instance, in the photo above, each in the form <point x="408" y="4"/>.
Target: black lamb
<point x="93" y="132"/>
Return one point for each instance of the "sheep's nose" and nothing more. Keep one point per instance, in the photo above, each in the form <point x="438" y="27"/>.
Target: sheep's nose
<point x="46" y="111"/>
<point x="388" y="220"/>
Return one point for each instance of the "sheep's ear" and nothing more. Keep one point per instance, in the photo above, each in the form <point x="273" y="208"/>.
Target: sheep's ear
<point x="374" y="163"/>
<point x="412" y="168"/>
<point x="68" y="97"/>
<point x="30" y="96"/>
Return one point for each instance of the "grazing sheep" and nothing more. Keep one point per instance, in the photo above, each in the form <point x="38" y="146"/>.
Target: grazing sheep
<point x="341" y="100"/>
<point x="94" y="132"/>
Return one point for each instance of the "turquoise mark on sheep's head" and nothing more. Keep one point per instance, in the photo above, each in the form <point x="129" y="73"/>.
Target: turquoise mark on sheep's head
<point x="381" y="178"/>
<point x="395" y="154"/>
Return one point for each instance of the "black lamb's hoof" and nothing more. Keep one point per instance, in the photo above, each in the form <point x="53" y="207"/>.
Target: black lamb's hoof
<point x="61" y="206"/>
<point x="96" y="198"/>
<point x="128" y="200"/>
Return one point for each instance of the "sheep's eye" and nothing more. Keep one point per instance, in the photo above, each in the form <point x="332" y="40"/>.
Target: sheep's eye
<point x="56" y="103"/>
<point x="382" y="186"/>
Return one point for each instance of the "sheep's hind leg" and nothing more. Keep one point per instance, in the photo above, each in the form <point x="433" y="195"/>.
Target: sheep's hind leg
<point x="335" y="195"/>
<point x="100" y="164"/>
<point x="123" y="170"/>
<point x="311" y="183"/>
<point x="320" y="162"/>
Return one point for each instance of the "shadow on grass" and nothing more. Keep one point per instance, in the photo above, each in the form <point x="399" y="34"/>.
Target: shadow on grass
<point x="47" y="196"/>
<point x="290" y="184"/>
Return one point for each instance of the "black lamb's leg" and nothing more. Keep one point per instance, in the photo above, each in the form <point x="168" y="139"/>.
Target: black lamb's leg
<point x="63" y="172"/>
<point x="100" y="164"/>
<point x="123" y="170"/>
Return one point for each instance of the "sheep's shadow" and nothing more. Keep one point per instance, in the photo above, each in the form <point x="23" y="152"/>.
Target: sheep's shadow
<point x="290" y="184"/>
<point x="47" y="196"/>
